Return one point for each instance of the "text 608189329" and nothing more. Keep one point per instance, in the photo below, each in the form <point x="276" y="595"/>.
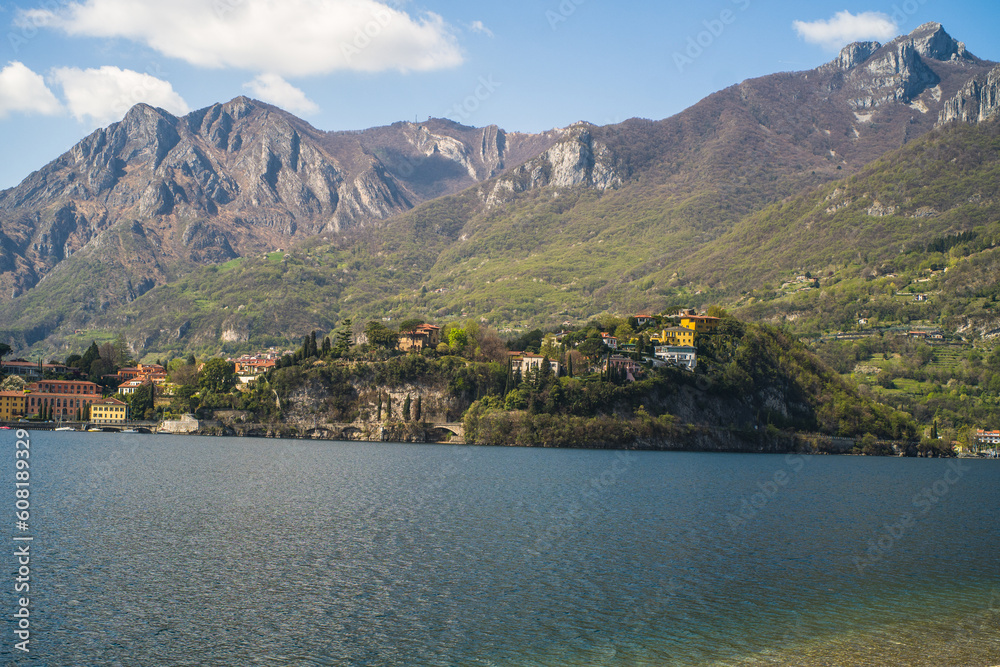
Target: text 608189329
<point x="22" y="540"/>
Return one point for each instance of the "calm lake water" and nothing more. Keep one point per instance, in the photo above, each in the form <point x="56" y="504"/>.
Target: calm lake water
<point x="169" y="550"/>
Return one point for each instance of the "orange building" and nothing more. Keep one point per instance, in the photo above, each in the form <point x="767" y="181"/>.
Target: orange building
<point x="153" y="372"/>
<point x="63" y="399"/>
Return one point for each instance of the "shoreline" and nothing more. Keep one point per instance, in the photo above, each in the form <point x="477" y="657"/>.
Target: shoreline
<point x="686" y="438"/>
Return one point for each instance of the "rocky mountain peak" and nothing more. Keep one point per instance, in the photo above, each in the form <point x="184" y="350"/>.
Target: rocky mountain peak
<point x="854" y="54"/>
<point x="932" y="41"/>
<point x="239" y="107"/>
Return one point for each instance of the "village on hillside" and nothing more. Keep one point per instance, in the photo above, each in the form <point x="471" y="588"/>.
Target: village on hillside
<point x="53" y="391"/>
<point x="146" y="395"/>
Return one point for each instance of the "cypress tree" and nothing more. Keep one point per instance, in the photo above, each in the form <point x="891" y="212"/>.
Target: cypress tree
<point x="406" y="408"/>
<point x="545" y="371"/>
<point x="416" y="409"/>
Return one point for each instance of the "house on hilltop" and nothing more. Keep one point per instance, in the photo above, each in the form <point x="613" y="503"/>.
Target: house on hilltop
<point x="526" y="361"/>
<point x="703" y="324"/>
<point x="680" y="336"/>
<point x="421" y="337"/>
<point x="684" y="356"/>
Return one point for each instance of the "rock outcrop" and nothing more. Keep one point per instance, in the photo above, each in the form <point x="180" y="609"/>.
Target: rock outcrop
<point x="977" y="101"/>
<point x="897" y="71"/>
<point x="577" y="159"/>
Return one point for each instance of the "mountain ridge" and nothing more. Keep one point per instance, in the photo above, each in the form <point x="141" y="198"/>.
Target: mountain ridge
<point x="688" y="178"/>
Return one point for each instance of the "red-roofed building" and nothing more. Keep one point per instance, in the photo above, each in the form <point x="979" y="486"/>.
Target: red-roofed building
<point x="63" y="399"/>
<point x="421" y="337"/>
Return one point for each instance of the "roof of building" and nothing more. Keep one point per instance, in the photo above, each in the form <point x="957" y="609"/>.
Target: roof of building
<point x="73" y="382"/>
<point x="109" y="401"/>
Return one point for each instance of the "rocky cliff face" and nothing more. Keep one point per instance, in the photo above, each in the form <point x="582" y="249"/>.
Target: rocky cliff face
<point x="898" y="71"/>
<point x="153" y="195"/>
<point x="576" y="159"/>
<point x="977" y="101"/>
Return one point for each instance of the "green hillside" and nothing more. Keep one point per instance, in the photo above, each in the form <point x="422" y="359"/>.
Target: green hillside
<point x="871" y="242"/>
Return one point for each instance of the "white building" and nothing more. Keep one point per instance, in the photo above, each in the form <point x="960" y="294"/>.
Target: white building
<point x="525" y="361"/>
<point x="683" y="356"/>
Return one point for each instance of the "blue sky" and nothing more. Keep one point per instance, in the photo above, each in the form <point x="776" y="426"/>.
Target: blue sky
<point x="67" y="68"/>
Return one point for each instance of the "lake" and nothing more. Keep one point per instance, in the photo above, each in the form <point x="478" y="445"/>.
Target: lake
<point x="173" y="550"/>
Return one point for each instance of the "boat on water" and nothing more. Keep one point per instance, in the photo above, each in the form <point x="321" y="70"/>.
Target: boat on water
<point x="65" y="428"/>
<point x="94" y="430"/>
<point x="129" y="430"/>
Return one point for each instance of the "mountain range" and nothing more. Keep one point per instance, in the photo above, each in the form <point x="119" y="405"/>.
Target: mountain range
<point x="241" y="224"/>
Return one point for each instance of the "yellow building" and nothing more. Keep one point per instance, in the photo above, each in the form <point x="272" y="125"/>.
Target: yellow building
<point x="702" y="324"/>
<point x="108" y="411"/>
<point x="12" y="405"/>
<point x="675" y="336"/>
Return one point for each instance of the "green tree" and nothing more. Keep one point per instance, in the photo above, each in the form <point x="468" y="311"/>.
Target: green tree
<point x="343" y="345"/>
<point x="218" y="376"/>
<point x="380" y="336"/>
<point x="410" y="324"/>
<point x="457" y="338"/>
<point x="416" y="409"/>
<point x="89" y="357"/>
<point x="141" y="401"/>
<point x="121" y="354"/>
<point x="406" y="408"/>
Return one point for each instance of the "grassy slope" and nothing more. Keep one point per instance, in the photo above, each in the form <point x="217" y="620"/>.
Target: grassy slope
<point x="667" y="237"/>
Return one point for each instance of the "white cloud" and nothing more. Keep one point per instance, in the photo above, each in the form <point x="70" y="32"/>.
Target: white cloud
<point x="846" y="27"/>
<point x="478" y="26"/>
<point x="286" y="37"/>
<point x="104" y="95"/>
<point x="22" y="90"/>
<point x="272" y="88"/>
